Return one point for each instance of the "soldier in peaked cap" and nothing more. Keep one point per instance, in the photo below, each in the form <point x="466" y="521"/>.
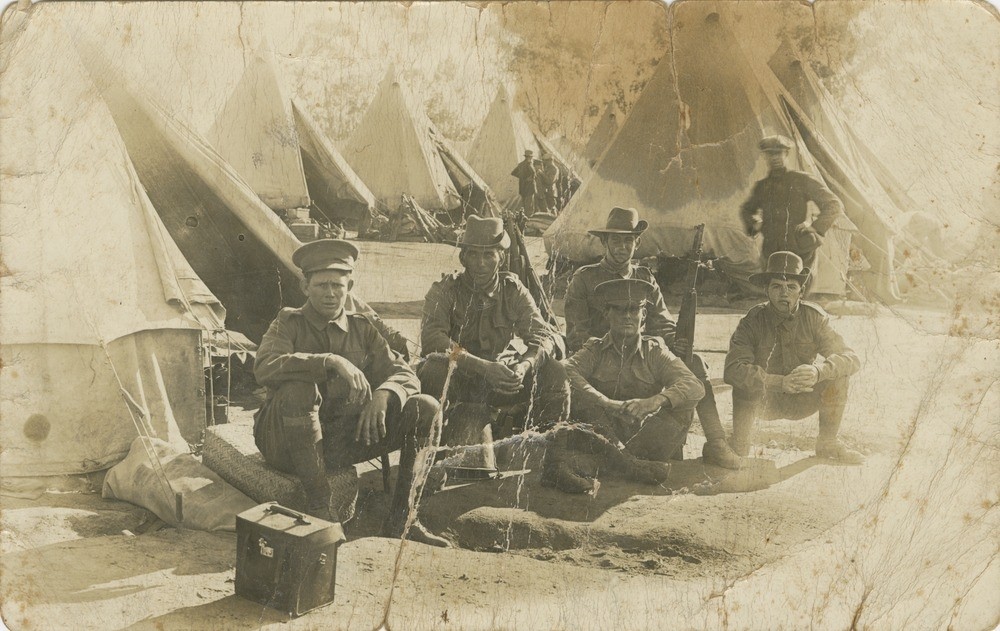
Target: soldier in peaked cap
<point x="336" y="394"/>
<point x="786" y="361"/>
<point x="343" y="255"/>
<point x="778" y="206"/>
<point x="630" y="385"/>
<point x="586" y="317"/>
<point x="472" y="318"/>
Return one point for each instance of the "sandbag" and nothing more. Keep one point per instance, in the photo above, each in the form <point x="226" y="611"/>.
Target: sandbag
<point x="207" y="502"/>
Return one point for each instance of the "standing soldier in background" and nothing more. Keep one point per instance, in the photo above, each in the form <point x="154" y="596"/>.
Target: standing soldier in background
<point x="549" y="183"/>
<point x="527" y="178"/>
<point x="778" y="207"/>
<point x="586" y="318"/>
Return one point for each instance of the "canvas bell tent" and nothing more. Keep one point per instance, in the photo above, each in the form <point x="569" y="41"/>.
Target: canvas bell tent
<point x="255" y="133"/>
<point x="280" y="151"/>
<point x="335" y="190"/>
<point x="477" y="196"/>
<point x="602" y="135"/>
<point x="102" y="319"/>
<point x="687" y="154"/>
<point x="499" y="146"/>
<point x="237" y="245"/>
<point x="872" y="197"/>
<point x="393" y="153"/>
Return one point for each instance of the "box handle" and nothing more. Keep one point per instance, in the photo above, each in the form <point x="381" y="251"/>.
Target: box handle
<point x="299" y="517"/>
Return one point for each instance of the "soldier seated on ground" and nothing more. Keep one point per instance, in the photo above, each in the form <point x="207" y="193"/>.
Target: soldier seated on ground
<point x="629" y="386"/>
<point x="786" y="361"/>
<point x="336" y="394"/>
<point x="585" y="318"/>
<point x="470" y="320"/>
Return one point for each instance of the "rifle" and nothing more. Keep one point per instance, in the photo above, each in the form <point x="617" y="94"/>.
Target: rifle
<point x="689" y="303"/>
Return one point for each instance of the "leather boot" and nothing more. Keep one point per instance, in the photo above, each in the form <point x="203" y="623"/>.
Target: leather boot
<point x="399" y="510"/>
<point x="556" y="471"/>
<point x="647" y="471"/>
<point x="305" y="447"/>
<point x="717" y="452"/>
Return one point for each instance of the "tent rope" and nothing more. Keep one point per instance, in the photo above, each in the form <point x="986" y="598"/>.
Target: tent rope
<point x="141" y="428"/>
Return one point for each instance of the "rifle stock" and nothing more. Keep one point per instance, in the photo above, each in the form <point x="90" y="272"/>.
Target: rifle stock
<point x="689" y="303"/>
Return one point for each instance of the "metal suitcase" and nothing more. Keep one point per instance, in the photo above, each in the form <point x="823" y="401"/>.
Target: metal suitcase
<point x="285" y="559"/>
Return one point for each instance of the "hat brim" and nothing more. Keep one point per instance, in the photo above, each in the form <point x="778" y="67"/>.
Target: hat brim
<point x="503" y="243"/>
<point x="761" y="279"/>
<point x="640" y="227"/>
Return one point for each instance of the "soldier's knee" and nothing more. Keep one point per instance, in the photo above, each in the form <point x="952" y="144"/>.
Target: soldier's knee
<point x="420" y="410"/>
<point x="746" y="396"/>
<point x="432" y="373"/>
<point x="296" y="398"/>
<point x="551" y="371"/>
<point x="835" y="390"/>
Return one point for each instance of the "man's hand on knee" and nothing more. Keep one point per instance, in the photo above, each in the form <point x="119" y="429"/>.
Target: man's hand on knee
<point x="640" y="409"/>
<point x="371" y="422"/>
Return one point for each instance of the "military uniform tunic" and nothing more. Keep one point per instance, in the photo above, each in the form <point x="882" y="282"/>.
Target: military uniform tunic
<point x="783" y="197"/>
<point x="768" y="345"/>
<point x="484" y="323"/>
<point x="584" y="317"/>
<point x="293" y="352"/>
<point x="602" y="372"/>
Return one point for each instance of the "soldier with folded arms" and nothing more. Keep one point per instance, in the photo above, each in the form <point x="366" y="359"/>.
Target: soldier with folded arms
<point x="629" y="385"/>
<point x="585" y="317"/>
<point x="786" y="361"/>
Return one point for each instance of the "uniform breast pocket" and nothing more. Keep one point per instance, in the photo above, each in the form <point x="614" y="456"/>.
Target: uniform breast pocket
<point x="643" y="382"/>
<point x="805" y="352"/>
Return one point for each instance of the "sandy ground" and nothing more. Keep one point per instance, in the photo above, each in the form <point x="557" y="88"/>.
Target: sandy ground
<point x="906" y="541"/>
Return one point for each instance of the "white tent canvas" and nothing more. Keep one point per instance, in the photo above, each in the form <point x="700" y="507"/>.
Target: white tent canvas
<point x="280" y="151"/>
<point x="393" y="153"/>
<point x="97" y="306"/>
<point x="334" y="188"/>
<point x="499" y="145"/>
<point x="602" y="135"/>
<point x="687" y="154"/>
<point x="255" y="133"/>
